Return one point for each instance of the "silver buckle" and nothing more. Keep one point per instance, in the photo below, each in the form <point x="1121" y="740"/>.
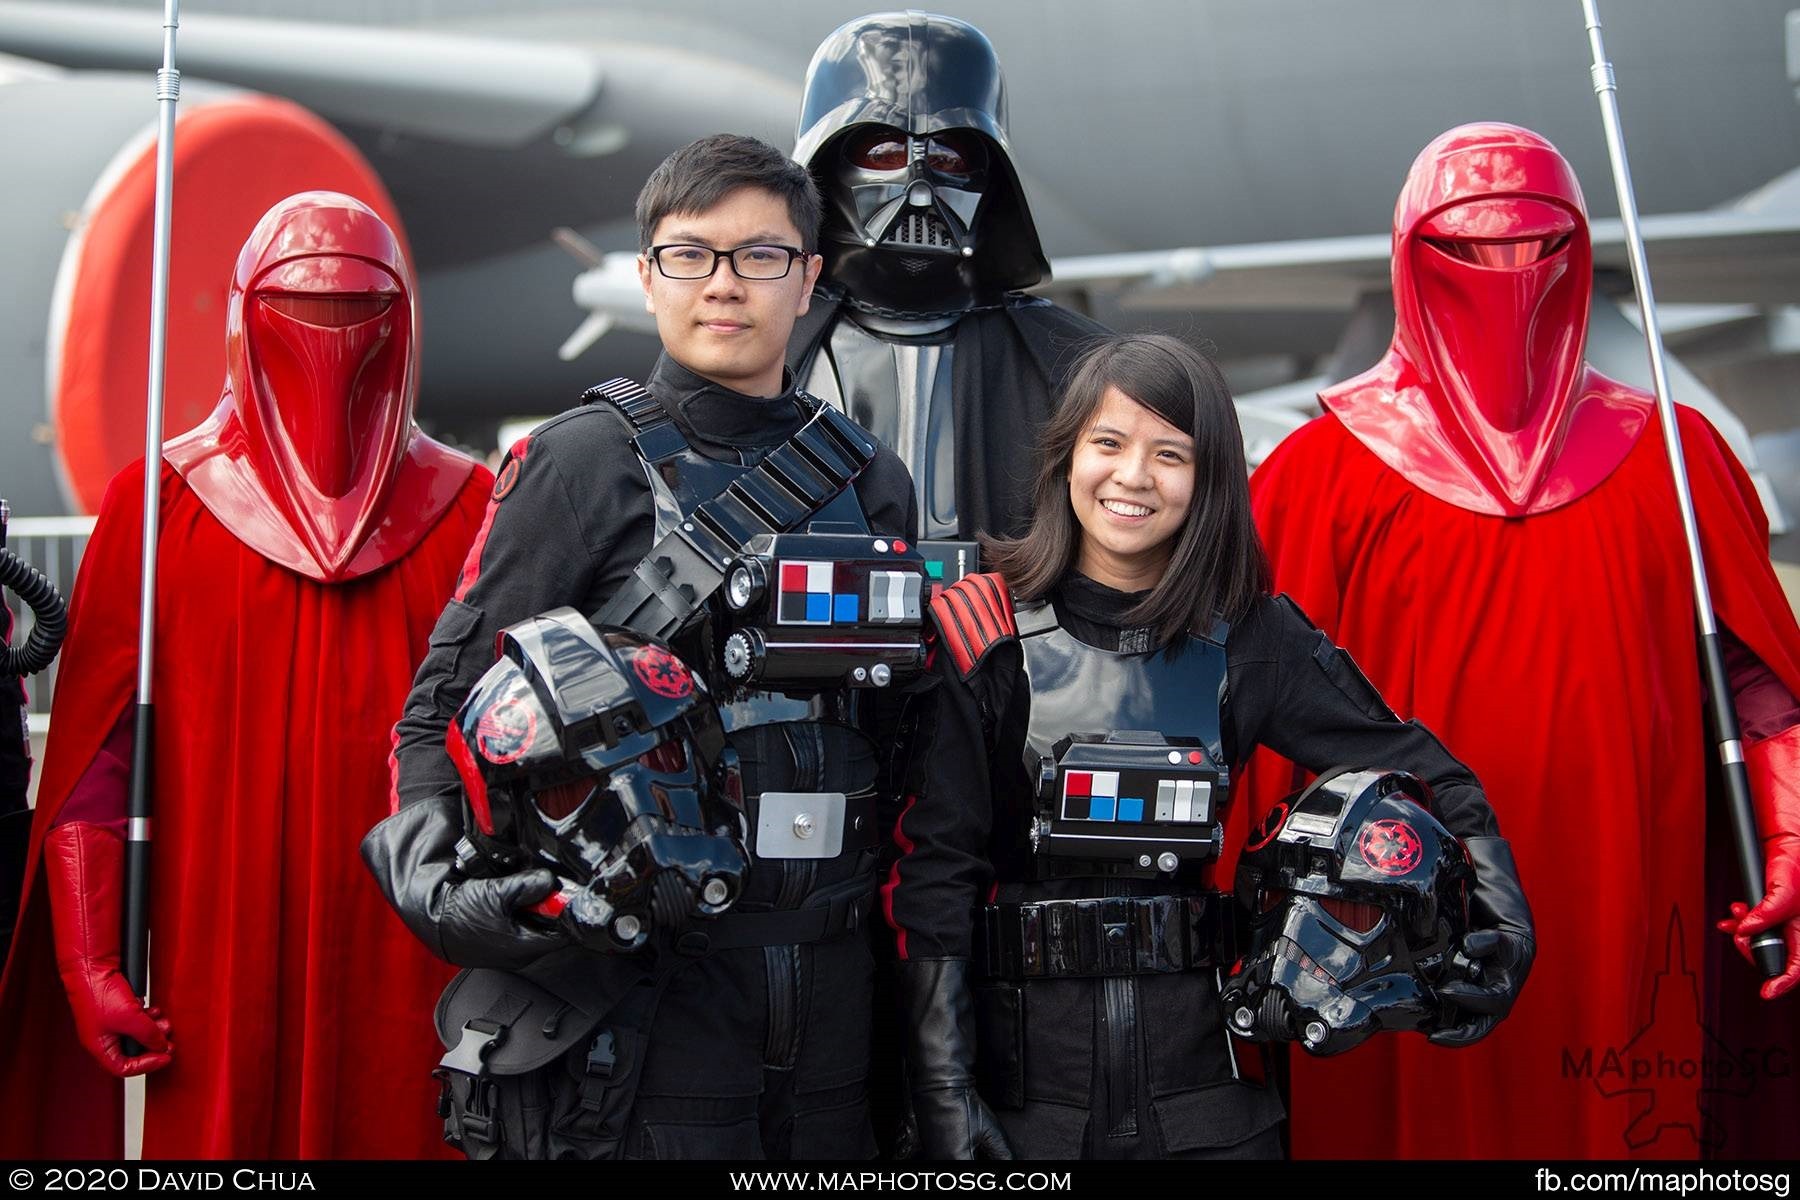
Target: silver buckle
<point x="800" y="824"/>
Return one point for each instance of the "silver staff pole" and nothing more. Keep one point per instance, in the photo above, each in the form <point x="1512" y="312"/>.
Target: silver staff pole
<point x="1768" y="948"/>
<point x="137" y="845"/>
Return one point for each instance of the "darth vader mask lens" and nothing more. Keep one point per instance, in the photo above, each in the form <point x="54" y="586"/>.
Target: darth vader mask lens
<point x="878" y="150"/>
<point x="955" y="154"/>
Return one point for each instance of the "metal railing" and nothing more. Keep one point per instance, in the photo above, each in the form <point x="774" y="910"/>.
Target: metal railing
<point x="54" y="545"/>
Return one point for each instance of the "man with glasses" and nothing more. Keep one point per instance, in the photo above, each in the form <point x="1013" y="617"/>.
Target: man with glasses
<point x="749" y="1037"/>
<point x="919" y="329"/>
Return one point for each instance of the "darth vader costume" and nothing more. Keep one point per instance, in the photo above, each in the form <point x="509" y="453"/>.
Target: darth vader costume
<point x="919" y="329"/>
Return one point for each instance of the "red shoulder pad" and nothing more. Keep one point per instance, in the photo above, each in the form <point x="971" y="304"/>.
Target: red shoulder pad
<point x="973" y="615"/>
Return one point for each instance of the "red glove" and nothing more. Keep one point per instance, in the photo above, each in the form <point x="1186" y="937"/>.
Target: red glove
<point x="1774" y="768"/>
<point x="84" y="868"/>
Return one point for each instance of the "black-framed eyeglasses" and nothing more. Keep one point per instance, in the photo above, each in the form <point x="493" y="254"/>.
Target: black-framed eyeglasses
<point x="684" y="260"/>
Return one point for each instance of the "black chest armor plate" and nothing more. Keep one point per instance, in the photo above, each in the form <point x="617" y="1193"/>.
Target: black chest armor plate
<point x="1125" y="751"/>
<point x="788" y="661"/>
<point x="680" y="482"/>
<point x="727" y="534"/>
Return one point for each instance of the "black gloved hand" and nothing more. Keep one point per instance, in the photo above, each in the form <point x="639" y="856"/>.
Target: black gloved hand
<point x="1501" y="942"/>
<point x="939" y="1010"/>
<point x="469" y="922"/>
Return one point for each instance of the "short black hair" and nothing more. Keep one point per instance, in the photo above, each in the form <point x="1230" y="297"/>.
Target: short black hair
<point x="699" y="175"/>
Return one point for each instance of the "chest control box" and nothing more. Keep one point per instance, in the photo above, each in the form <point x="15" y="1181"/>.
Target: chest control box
<point x="1134" y="799"/>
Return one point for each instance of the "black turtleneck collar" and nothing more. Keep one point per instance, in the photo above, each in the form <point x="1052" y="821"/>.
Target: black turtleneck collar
<point x="1095" y="601"/>
<point x="1096" y="613"/>
<point x="713" y="416"/>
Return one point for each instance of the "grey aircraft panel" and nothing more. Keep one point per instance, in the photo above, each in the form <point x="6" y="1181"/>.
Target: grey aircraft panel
<point x="486" y="143"/>
<point x="70" y="130"/>
<point x="1695" y="258"/>
<point x="492" y="93"/>
<point x="1217" y="122"/>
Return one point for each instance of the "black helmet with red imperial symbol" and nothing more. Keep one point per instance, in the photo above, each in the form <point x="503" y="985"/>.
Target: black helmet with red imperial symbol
<point x="1357" y="898"/>
<point x="597" y="753"/>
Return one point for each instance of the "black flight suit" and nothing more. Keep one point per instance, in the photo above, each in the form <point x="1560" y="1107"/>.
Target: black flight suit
<point x="754" y="1052"/>
<point x="1139" y="1066"/>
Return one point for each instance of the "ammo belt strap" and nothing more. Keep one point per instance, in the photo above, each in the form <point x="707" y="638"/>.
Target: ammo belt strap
<point x="1111" y="935"/>
<point x="735" y="930"/>
<point x="786" y="487"/>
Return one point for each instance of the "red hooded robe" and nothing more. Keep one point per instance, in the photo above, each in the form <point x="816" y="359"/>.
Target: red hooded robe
<point x="300" y="573"/>
<point x="1490" y="528"/>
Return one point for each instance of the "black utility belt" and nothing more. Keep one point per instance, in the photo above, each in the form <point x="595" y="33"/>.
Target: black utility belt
<point x="839" y="918"/>
<point x="1104" y="936"/>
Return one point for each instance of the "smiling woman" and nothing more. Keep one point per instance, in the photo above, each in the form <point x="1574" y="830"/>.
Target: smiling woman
<point x="1131" y="480"/>
<point x="1087" y="716"/>
<point x="1145" y="419"/>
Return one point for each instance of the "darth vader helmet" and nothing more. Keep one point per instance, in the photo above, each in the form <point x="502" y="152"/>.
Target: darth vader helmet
<point x="903" y="127"/>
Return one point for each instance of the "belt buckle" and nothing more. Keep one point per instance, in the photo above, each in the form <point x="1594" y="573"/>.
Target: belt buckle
<point x="800" y="824"/>
<point x="469" y="1056"/>
<point x="1116" y="950"/>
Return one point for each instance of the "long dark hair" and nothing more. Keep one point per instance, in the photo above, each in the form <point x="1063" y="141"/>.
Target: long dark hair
<point x="1218" y="568"/>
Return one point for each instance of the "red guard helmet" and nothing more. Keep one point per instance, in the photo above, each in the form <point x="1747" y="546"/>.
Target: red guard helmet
<point x="312" y="457"/>
<point x="1485" y="398"/>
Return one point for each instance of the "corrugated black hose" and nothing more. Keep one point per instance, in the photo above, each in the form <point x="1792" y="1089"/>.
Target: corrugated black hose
<point x="52" y="617"/>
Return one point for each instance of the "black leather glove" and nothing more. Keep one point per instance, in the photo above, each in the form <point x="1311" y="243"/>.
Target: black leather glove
<point x="469" y="922"/>
<point x="1501" y="943"/>
<point x="939" y="1011"/>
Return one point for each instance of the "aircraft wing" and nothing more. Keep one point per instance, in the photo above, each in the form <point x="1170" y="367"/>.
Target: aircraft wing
<point x="485" y="143"/>
<point x="1720" y="257"/>
<point x="454" y="88"/>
